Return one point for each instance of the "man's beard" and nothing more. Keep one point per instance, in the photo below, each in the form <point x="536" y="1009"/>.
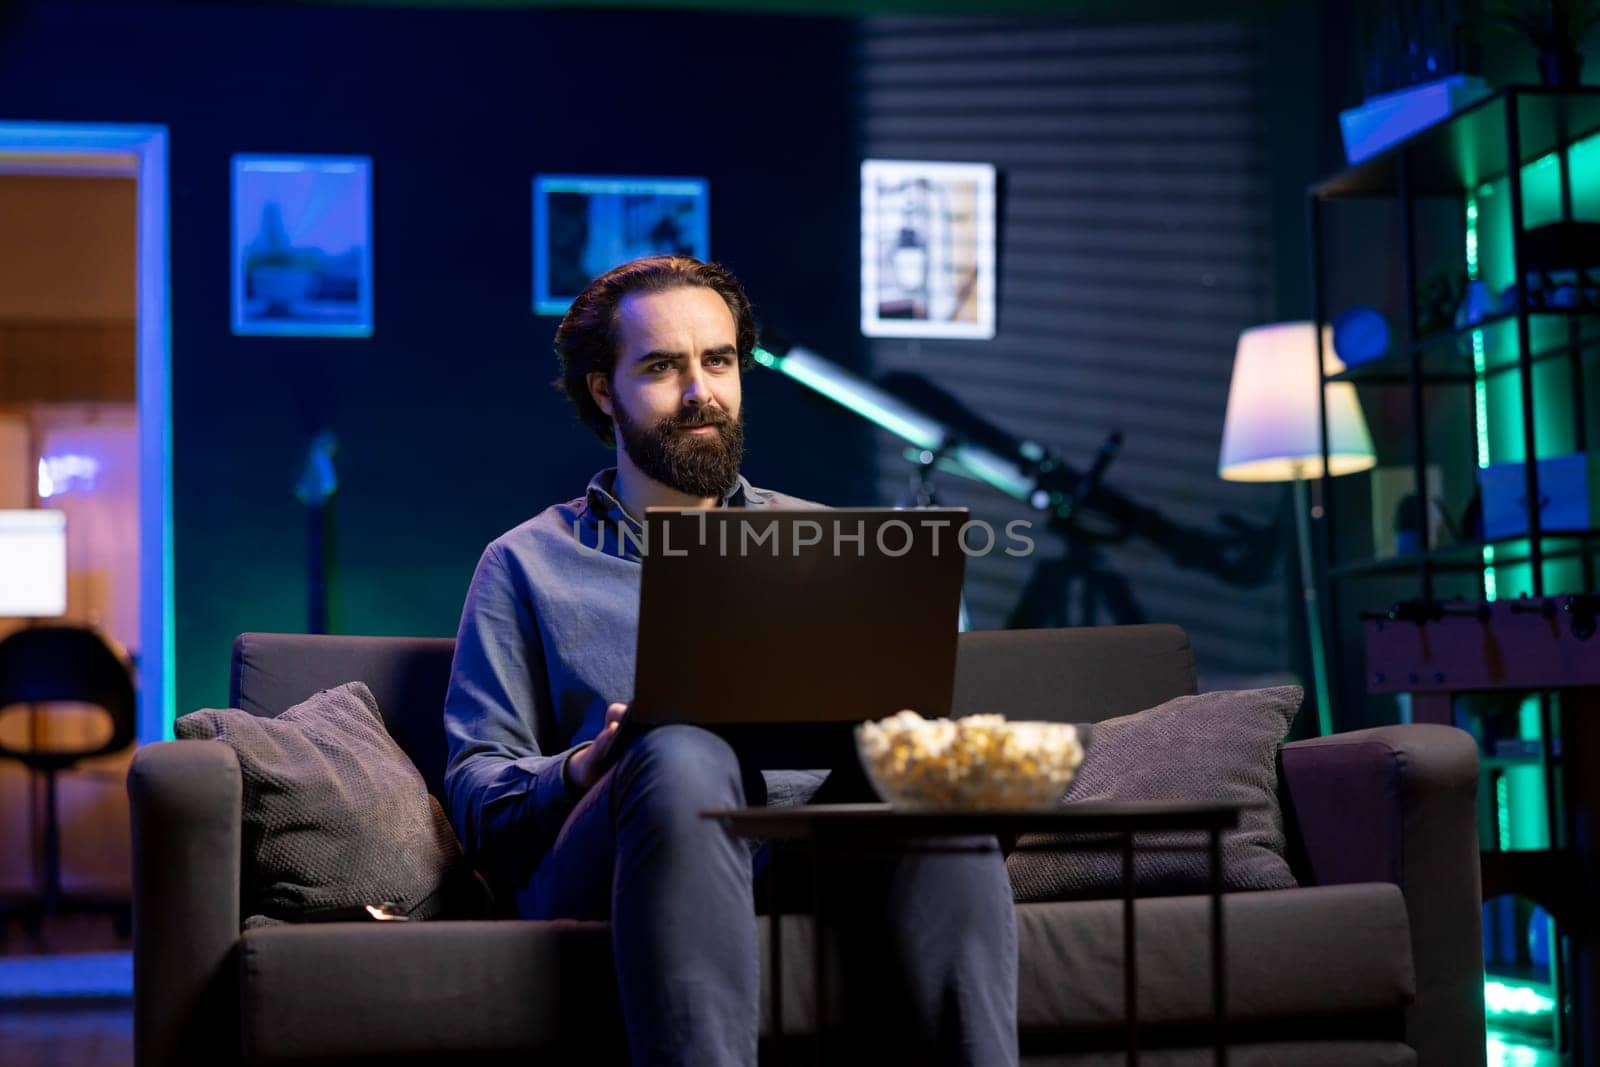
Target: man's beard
<point x="701" y="465"/>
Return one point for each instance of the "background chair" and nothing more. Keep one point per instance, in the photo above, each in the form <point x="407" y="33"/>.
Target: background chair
<point x="47" y="664"/>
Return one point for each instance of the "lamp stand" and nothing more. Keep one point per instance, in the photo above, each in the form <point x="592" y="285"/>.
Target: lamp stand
<point x="1308" y="586"/>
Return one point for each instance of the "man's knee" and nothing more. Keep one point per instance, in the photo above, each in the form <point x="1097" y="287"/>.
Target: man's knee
<point x="689" y="762"/>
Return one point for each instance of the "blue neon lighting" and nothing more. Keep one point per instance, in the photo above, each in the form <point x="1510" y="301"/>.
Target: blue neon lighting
<point x="139" y="152"/>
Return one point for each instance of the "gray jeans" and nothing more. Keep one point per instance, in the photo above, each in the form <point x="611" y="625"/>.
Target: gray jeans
<point x="930" y="973"/>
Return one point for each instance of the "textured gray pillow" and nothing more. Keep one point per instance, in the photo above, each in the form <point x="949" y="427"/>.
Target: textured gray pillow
<point x="1219" y="746"/>
<point x="335" y="815"/>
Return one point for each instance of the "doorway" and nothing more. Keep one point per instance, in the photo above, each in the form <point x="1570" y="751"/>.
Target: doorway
<point x="85" y="437"/>
<point x="139" y="154"/>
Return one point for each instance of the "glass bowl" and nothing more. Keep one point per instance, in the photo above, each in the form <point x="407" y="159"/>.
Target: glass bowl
<point x="975" y="763"/>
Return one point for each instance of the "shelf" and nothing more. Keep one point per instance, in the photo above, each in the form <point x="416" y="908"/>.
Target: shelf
<point x="1395" y="217"/>
<point x="1552" y="877"/>
<point x="1506" y="763"/>
<point x="1468" y="555"/>
<point x="1447" y="355"/>
<point x="1458" y="154"/>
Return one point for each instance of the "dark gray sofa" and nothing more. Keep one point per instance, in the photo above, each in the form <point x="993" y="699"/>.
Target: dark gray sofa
<point x="1375" y="960"/>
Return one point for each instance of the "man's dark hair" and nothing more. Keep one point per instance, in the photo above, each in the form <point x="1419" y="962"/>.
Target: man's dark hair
<point x="586" y="340"/>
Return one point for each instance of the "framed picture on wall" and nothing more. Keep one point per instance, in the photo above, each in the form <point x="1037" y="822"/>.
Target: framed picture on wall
<point x="927" y="249"/>
<point x="585" y="224"/>
<point x="302" y="245"/>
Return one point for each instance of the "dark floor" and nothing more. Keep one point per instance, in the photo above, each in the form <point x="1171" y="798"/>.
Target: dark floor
<point x="41" y="1027"/>
<point x="51" y="1035"/>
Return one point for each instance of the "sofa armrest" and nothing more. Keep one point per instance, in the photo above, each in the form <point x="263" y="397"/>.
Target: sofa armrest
<point x="185" y="798"/>
<point x="1399" y="804"/>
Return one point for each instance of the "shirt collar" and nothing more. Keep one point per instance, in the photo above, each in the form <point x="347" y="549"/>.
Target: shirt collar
<point x="605" y="507"/>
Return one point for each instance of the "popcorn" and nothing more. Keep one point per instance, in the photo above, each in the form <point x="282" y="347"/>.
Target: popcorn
<point x="978" y="762"/>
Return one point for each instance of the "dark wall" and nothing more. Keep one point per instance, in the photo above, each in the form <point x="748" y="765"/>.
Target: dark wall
<point x="1136" y="240"/>
<point x="449" y="431"/>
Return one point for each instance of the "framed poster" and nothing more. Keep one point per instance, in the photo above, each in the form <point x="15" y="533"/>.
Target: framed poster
<point x="927" y="249"/>
<point x="583" y="225"/>
<point x="302" y="245"/>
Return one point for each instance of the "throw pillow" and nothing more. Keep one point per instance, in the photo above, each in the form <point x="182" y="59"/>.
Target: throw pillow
<point x="1219" y="746"/>
<point x="336" y="817"/>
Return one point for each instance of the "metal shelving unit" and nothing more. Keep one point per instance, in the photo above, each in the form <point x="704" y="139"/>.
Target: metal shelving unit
<point x="1520" y="384"/>
<point x="1452" y="162"/>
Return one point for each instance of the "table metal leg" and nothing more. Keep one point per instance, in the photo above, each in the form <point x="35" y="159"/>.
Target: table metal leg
<point x="775" y="955"/>
<point x="1219" y="1004"/>
<point x="819" y="943"/>
<point x="1130" y="962"/>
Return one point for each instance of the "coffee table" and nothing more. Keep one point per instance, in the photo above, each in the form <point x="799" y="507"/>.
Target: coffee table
<point x="830" y="830"/>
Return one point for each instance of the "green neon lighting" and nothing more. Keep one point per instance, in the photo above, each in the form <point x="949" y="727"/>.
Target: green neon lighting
<point x="1528" y="825"/>
<point x="1541" y="191"/>
<point x="1480" y="391"/>
<point x="1584" y="158"/>
<point x="1528" y="724"/>
<point x="765" y="358"/>
<point x="1472" y="236"/>
<point x="1502" y="812"/>
<point x="1505" y="998"/>
<point x="1525" y="798"/>
<point x="1501" y="1051"/>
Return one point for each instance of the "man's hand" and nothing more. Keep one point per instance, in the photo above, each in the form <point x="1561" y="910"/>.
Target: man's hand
<point x="584" y="766"/>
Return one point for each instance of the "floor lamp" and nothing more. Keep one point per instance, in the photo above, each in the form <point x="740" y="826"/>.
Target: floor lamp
<point x="1273" y="433"/>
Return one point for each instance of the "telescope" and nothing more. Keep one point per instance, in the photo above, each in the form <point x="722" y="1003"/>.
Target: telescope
<point x="942" y="433"/>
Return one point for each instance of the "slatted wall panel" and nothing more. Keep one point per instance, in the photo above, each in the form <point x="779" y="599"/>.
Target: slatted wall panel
<point x="1134" y="246"/>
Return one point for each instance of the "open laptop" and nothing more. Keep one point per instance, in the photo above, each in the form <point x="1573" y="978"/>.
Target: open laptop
<point x="780" y="629"/>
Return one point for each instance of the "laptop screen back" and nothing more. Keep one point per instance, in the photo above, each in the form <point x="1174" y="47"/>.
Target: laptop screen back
<point x="828" y="616"/>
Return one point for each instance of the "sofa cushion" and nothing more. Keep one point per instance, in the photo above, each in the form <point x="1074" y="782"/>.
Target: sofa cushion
<point x="408" y="675"/>
<point x="335" y="817"/>
<point x="387" y="992"/>
<point x="1219" y="746"/>
<point x="1081" y="674"/>
<point x="338" y="991"/>
<point x="1328" y="952"/>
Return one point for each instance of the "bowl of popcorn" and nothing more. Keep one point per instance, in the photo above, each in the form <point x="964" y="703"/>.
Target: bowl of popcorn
<point x="976" y="763"/>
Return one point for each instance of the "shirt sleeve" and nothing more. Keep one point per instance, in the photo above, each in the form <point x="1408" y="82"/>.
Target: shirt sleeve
<point x="507" y="798"/>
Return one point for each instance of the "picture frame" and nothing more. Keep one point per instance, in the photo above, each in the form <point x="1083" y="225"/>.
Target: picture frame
<point x="585" y="224"/>
<point x="302" y="246"/>
<point x="928" y="249"/>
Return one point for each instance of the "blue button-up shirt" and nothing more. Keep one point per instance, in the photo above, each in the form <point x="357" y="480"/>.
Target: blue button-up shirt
<point x="547" y="641"/>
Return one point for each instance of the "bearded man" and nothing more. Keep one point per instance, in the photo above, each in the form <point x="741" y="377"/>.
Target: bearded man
<point x="651" y="356"/>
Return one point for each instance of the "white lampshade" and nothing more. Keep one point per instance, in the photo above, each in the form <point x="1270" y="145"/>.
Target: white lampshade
<point x="1271" y="432"/>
